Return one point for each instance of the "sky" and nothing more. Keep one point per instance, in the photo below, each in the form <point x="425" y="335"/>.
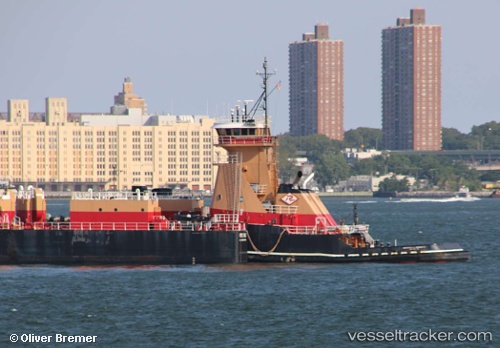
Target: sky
<point x="201" y="57"/>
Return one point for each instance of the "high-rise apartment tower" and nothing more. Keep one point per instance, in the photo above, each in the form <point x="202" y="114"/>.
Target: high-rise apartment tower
<point x="411" y="84"/>
<point x="317" y="85"/>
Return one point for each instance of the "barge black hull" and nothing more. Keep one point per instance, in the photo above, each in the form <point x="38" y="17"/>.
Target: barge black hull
<point x="151" y="247"/>
<point x="270" y="244"/>
<point x="261" y="243"/>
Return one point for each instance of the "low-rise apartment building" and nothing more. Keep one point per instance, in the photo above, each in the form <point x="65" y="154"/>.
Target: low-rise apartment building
<point x="106" y="151"/>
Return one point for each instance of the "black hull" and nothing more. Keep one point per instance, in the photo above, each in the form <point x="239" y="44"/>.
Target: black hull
<point x="269" y="244"/>
<point x="263" y="243"/>
<point x="73" y="247"/>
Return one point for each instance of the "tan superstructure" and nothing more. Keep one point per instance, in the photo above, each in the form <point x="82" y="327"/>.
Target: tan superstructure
<point x="247" y="184"/>
<point x="107" y="151"/>
<point x="248" y="170"/>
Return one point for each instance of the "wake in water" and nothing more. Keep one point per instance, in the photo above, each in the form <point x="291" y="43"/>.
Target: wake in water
<point x="364" y="202"/>
<point x="437" y="200"/>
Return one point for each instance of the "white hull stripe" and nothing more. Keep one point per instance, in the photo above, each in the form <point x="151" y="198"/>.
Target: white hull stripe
<point x="348" y="255"/>
<point x="441" y="251"/>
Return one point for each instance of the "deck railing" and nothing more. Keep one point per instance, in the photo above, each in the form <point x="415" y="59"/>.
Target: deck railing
<point x="259" y="188"/>
<point x="227" y="158"/>
<point x="225" y="218"/>
<point x="281" y="209"/>
<point x="105" y="226"/>
<point x="129" y="195"/>
<point x="320" y="229"/>
<point x="246" y="140"/>
<point x="223" y="224"/>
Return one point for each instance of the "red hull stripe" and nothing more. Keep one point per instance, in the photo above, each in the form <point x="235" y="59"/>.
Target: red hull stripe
<point x="29" y="216"/>
<point x="281" y="219"/>
<point x="7" y="215"/>
<point x="113" y="216"/>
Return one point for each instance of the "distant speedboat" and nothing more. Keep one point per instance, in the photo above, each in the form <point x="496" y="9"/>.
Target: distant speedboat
<point x="463" y="192"/>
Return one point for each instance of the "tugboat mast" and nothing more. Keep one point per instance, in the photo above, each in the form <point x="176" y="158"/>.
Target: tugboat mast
<point x="265" y="76"/>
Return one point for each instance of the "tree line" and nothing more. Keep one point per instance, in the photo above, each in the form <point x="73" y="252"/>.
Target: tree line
<point x="440" y="172"/>
<point x="483" y="137"/>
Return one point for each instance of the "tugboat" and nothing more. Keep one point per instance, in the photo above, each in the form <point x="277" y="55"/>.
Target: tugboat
<point x="287" y="223"/>
<point x="252" y="218"/>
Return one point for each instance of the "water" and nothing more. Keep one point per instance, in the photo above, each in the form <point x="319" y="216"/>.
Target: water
<point x="290" y="305"/>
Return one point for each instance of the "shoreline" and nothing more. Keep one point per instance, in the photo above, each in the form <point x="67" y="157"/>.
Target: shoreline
<point x="414" y="194"/>
<point x="360" y="194"/>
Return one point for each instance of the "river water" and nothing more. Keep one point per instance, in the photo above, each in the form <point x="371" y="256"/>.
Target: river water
<point x="285" y="305"/>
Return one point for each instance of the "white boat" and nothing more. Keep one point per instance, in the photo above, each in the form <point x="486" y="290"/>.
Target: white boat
<point x="463" y="192"/>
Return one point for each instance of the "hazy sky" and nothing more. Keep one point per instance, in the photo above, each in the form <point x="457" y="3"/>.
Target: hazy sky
<point x="194" y="57"/>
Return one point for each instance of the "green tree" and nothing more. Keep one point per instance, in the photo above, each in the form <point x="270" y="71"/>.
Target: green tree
<point x="317" y="144"/>
<point x="317" y="148"/>
<point x="491" y="175"/>
<point x="286" y="154"/>
<point x="439" y="171"/>
<point x="330" y="168"/>
<point x="487" y="136"/>
<point x="394" y="185"/>
<point x="452" y="139"/>
<point x="368" y="138"/>
<point x="398" y="164"/>
<point x="369" y="166"/>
